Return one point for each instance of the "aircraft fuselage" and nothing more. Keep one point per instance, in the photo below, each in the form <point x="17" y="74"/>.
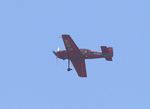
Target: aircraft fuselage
<point x="85" y="53"/>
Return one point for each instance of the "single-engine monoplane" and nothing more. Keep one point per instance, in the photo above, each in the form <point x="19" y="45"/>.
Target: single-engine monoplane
<point x="77" y="56"/>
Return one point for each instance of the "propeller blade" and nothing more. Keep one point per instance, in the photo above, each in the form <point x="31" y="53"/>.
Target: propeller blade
<point x="56" y="57"/>
<point x="59" y="37"/>
<point x="54" y="52"/>
<point x="56" y="60"/>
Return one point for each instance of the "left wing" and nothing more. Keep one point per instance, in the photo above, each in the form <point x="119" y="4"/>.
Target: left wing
<point x="79" y="65"/>
<point x="70" y="45"/>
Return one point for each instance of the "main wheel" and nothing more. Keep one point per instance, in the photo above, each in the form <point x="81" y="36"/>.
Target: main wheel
<point x="69" y="69"/>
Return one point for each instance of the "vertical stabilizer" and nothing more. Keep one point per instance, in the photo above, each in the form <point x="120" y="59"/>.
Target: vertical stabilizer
<point x="107" y="52"/>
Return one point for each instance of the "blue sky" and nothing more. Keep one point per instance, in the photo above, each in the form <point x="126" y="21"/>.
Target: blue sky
<point x="30" y="77"/>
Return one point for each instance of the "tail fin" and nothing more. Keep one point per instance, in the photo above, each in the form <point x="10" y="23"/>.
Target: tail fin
<point x="107" y="52"/>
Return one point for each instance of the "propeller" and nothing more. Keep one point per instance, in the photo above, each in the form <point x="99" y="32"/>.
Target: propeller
<point x="55" y="52"/>
<point x="56" y="56"/>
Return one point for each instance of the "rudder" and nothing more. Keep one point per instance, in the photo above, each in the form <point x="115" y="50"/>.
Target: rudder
<point x="107" y="52"/>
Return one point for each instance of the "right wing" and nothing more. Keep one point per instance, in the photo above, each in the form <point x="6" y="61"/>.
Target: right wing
<point x="79" y="65"/>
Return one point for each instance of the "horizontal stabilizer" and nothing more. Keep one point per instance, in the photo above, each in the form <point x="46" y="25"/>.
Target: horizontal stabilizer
<point x="108" y="58"/>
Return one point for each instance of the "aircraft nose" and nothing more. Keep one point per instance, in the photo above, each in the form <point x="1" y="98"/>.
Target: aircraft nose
<point x="57" y="54"/>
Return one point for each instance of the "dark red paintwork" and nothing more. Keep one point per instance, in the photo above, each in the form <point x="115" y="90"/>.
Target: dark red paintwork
<point x="78" y="56"/>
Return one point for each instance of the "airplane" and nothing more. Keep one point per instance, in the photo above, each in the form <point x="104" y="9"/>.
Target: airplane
<point x="77" y="56"/>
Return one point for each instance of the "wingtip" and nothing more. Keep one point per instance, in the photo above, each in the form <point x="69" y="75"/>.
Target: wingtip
<point x="83" y="76"/>
<point x="65" y="35"/>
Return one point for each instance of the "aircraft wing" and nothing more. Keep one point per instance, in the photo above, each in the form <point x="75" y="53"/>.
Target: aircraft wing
<point x="70" y="45"/>
<point x="78" y="63"/>
<point x="80" y="67"/>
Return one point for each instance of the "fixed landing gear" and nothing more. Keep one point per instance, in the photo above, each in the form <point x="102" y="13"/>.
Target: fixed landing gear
<point x="69" y="69"/>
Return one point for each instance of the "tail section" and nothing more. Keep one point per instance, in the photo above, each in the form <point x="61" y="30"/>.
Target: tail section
<point x="107" y="52"/>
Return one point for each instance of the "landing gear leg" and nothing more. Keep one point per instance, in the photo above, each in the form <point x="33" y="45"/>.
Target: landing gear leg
<point x="69" y="69"/>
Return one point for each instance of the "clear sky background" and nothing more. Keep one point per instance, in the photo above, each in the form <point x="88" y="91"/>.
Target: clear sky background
<point x="30" y="76"/>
